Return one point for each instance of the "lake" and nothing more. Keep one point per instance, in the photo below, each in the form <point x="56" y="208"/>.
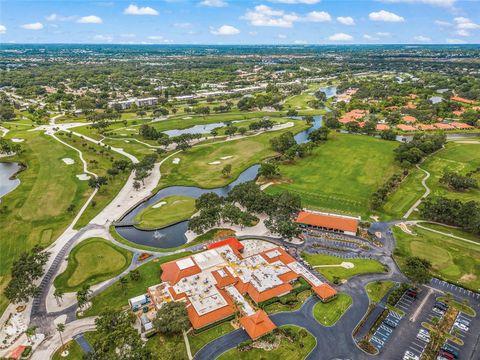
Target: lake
<point x="7" y="183"/>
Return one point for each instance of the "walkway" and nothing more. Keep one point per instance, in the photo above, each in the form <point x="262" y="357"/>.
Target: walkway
<point x="427" y="192"/>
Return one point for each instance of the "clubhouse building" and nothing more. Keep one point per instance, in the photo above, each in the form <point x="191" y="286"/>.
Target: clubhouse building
<point x="314" y="220"/>
<point x="230" y="277"/>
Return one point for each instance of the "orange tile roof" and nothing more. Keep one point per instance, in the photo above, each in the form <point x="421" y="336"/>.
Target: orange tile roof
<point x="226" y="280"/>
<point x="17" y="352"/>
<point x="410" y="105"/>
<point x="258" y="297"/>
<point x="460" y="125"/>
<point x="199" y="321"/>
<point x="327" y="221"/>
<point x="382" y="127"/>
<point x="257" y="325"/>
<point x="172" y="273"/>
<point x="283" y="256"/>
<point x="425" y="127"/>
<point x="409" y="118"/>
<point x="457" y="112"/>
<point x="233" y="242"/>
<point x="463" y="100"/>
<point x="406" y="127"/>
<point x="443" y="126"/>
<point x="325" y="291"/>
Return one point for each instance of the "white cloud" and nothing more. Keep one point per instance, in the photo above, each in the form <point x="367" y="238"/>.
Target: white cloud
<point x="91" y="19"/>
<point x="346" y="20"/>
<point x="3" y="29"/>
<point x="214" y="3"/>
<point x="422" y="38"/>
<point x="462" y="32"/>
<point x="465" y="23"/>
<point x="455" y="41"/>
<point x="442" y="23"/>
<point x="225" y="30"/>
<point x="33" y="26"/>
<point x="386" y="16"/>
<point x="135" y="10"/>
<point x="317" y="16"/>
<point x="445" y="3"/>
<point x="282" y="36"/>
<point x="305" y="2"/>
<point x="263" y="15"/>
<point x="155" y="37"/>
<point x="340" y="37"/>
<point x="370" y="37"/>
<point x="56" y="17"/>
<point x="300" y="42"/>
<point x="103" y="38"/>
<point x="383" y="34"/>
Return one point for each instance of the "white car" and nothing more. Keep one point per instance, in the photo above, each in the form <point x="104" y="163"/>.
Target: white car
<point x="410" y="356"/>
<point x="423" y="337"/>
<point x="438" y="311"/>
<point x="461" y="326"/>
<point x="463" y="321"/>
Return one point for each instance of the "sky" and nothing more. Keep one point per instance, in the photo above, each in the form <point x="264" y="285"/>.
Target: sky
<point x="241" y="21"/>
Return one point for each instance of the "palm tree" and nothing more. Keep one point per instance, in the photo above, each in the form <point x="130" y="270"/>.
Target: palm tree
<point x="83" y="295"/>
<point x="58" y="294"/>
<point x="61" y="329"/>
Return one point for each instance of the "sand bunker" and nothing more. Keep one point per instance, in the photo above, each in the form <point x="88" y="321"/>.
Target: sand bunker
<point x="68" y="161"/>
<point x="176" y="161"/>
<point x="160" y="204"/>
<point x="186" y="117"/>
<point x="17" y="140"/>
<point x="123" y="134"/>
<point x="127" y="141"/>
<point x="227" y="157"/>
<point x="345" y="265"/>
<point x="83" y="177"/>
<point x="214" y="163"/>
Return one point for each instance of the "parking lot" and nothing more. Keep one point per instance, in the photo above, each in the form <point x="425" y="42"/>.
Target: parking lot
<point x="409" y="336"/>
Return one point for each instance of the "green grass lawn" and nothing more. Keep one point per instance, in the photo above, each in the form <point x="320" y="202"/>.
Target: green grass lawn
<point x="167" y="211"/>
<point x="329" y="313"/>
<point x="36" y="212"/>
<point x="452" y="259"/>
<point x="197" y="341"/>
<point x="171" y="347"/>
<point x="361" y="266"/>
<point x="194" y="168"/>
<point x="341" y="174"/>
<point x="91" y="262"/>
<point x="452" y="231"/>
<point x="75" y="352"/>
<point x="115" y="298"/>
<point x="376" y="290"/>
<point x="455" y="157"/>
<point x="286" y="350"/>
<point x="99" y="160"/>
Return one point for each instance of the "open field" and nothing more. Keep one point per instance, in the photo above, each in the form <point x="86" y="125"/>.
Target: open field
<point x="328" y="313"/>
<point x="361" y="266"/>
<point x="286" y="350"/>
<point x="74" y="349"/>
<point x="197" y="341"/>
<point x="166" y="211"/>
<point x="115" y="298"/>
<point x="452" y="259"/>
<point x="99" y="160"/>
<point x="36" y="212"/>
<point x="451" y="231"/>
<point x="167" y="347"/>
<point x="194" y="168"/>
<point x="341" y="174"/>
<point x="91" y="262"/>
<point x="376" y="290"/>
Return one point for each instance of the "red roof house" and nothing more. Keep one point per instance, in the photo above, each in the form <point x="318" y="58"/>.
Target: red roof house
<point x="403" y="127"/>
<point x="327" y="221"/>
<point x="233" y="242"/>
<point x="257" y="325"/>
<point x="325" y="291"/>
<point x="460" y="125"/>
<point x="409" y="119"/>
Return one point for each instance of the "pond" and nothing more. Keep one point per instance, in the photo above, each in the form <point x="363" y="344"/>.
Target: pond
<point x="330" y="91"/>
<point x="436" y="99"/>
<point x="8" y="182"/>
<point x="174" y="235"/>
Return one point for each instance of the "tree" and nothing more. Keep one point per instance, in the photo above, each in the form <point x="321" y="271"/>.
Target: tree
<point x="123" y="283"/>
<point x="227" y="169"/>
<point x="242" y="131"/>
<point x="418" y="270"/>
<point x="214" y="132"/>
<point x="83" y="296"/>
<point x="61" y="328"/>
<point x="320" y="134"/>
<point x="24" y="274"/>
<point x="58" y="295"/>
<point x="309" y="119"/>
<point x="97" y="182"/>
<point x="208" y="200"/>
<point x="116" y="338"/>
<point x="30" y="332"/>
<point x="172" y="318"/>
<point x="135" y="275"/>
<point x="137" y="185"/>
<point x="388" y="135"/>
<point x="283" y="142"/>
<point x="7" y="112"/>
<point x="269" y="171"/>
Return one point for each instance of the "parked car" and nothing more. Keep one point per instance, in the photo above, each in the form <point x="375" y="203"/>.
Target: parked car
<point x="438" y="311"/>
<point x="441" y="305"/>
<point x="463" y="321"/>
<point x="461" y="326"/>
<point x="423" y="337"/>
<point x="448" y="348"/>
<point x="410" y="356"/>
<point x="446" y="355"/>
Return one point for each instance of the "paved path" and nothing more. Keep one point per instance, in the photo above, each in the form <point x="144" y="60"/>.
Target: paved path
<point x="446" y="234"/>
<point x="427" y="192"/>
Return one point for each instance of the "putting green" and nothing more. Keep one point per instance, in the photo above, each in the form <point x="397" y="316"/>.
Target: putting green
<point x="452" y="259"/>
<point x="91" y="262"/>
<point x="167" y="211"/>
